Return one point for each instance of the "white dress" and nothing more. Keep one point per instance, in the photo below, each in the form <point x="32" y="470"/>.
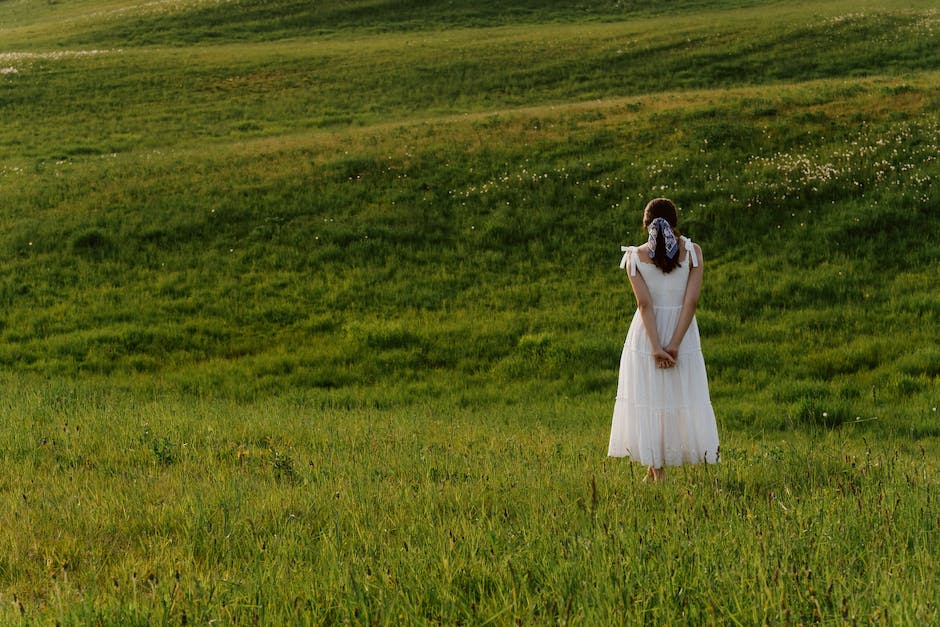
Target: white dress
<point x="663" y="416"/>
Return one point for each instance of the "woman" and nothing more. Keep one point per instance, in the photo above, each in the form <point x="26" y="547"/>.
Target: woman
<point x="663" y="414"/>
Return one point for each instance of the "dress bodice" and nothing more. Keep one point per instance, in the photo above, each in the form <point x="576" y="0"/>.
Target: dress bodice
<point x="666" y="290"/>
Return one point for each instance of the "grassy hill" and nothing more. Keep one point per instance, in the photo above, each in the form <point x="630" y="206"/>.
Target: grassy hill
<point x="237" y="225"/>
<point x="386" y="208"/>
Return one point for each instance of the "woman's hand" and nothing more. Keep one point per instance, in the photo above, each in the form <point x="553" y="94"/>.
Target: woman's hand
<point x="673" y="352"/>
<point x="663" y="358"/>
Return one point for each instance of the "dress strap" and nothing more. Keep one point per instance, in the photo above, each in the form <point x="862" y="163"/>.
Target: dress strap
<point x="629" y="260"/>
<point x="690" y="248"/>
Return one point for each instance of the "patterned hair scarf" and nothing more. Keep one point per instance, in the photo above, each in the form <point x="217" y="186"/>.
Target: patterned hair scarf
<point x="661" y="225"/>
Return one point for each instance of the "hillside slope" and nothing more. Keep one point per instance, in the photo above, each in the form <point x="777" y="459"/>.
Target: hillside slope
<point x="377" y="204"/>
<point x="185" y="22"/>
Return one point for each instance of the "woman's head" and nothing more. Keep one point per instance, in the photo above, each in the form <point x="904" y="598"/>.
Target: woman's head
<point x="660" y="208"/>
<point x="665" y="209"/>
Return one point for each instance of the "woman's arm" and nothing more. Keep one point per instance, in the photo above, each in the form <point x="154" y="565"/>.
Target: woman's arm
<point x="644" y="303"/>
<point x="692" y="290"/>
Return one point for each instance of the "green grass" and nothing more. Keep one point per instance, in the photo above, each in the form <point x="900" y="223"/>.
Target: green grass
<point x="311" y="314"/>
<point x="368" y="258"/>
<point x="155" y="509"/>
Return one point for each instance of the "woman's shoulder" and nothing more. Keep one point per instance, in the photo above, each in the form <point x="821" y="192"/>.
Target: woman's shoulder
<point x="642" y="252"/>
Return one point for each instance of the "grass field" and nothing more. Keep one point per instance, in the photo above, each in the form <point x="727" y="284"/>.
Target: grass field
<point x="311" y="311"/>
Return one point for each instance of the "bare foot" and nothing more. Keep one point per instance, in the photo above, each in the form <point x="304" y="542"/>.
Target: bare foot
<point x="656" y="474"/>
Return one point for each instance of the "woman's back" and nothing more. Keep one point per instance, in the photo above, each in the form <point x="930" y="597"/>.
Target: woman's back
<point x="666" y="289"/>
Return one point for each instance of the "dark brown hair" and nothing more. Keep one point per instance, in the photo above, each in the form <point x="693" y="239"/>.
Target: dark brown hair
<point x="663" y="208"/>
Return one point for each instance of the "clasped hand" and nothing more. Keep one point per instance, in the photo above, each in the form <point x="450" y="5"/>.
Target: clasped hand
<point x="665" y="357"/>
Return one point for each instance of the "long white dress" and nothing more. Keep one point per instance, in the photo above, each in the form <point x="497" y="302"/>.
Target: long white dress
<point x="663" y="416"/>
